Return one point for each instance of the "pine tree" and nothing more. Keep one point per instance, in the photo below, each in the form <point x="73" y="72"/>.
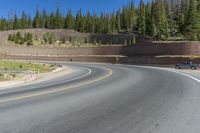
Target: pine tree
<point x="113" y="22"/>
<point x="88" y="22"/>
<point x="154" y="31"/>
<point x="118" y="20"/>
<point x="100" y="24"/>
<point x="132" y="16"/>
<point x="2" y="24"/>
<point x="15" y="22"/>
<point x="30" y="23"/>
<point x="94" y="19"/>
<point x="165" y="29"/>
<point x="69" y="21"/>
<point x="79" y="24"/>
<point x="148" y="18"/>
<point x="141" y="18"/>
<point x="36" y="21"/>
<point x="57" y="19"/>
<point x="124" y="20"/>
<point x="24" y="21"/>
<point x="51" y="20"/>
<point x="192" y="24"/>
<point x="46" y="20"/>
<point x="107" y="25"/>
<point x="161" y="20"/>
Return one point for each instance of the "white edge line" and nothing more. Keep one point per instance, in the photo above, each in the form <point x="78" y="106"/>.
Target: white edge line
<point x="90" y="71"/>
<point x="173" y="71"/>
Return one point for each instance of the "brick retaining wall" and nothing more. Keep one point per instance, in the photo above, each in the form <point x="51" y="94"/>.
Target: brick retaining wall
<point x="144" y="49"/>
<point x="142" y="53"/>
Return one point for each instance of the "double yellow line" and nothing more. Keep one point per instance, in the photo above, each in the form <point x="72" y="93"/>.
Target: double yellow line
<point x="58" y="90"/>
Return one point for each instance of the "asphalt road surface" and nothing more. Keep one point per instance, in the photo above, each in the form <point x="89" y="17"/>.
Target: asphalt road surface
<point x="103" y="98"/>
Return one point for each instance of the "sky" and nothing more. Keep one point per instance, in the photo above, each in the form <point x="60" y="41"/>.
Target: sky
<point x="29" y="6"/>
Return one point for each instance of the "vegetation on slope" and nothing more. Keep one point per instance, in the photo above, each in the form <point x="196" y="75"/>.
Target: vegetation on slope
<point x="12" y="69"/>
<point x="63" y="39"/>
<point x="19" y="39"/>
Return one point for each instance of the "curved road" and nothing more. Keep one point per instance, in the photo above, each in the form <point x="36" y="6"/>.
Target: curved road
<point x="104" y="99"/>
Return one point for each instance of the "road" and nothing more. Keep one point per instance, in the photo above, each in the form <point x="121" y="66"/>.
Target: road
<point x="104" y="98"/>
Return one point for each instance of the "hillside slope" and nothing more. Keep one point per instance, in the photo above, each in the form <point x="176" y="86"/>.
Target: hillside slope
<point x="72" y="36"/>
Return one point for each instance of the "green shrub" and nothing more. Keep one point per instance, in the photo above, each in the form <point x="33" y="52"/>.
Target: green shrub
<point x="21" y="42"/>
<point x="13" y="37"/>
<point x="49" y="38"/>
<point x="29" y="43"/>
<point x="18" y="37"/>
<point x="20" y="66"/>
<point x="1" y="75"/>
<point x="52" y="65"/>
<point x="10" y="37"/>
<point x="62" y="40"/>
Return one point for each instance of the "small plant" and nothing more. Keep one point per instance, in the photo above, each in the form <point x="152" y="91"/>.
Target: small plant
<point x="62" y="40"/>
<point x="21" y="42"/>
<point x="49" y="38"/>
<point x="29" y="43"/>
<point x="20" y="66"/>
<point x="10" y="37"/>
<point x="52" y="65"/>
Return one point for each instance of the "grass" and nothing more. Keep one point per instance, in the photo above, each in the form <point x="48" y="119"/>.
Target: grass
<point x="16" y="66"/>
<point x="12" y="69"/>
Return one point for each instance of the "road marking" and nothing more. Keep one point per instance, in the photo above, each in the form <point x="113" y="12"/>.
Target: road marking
<point x="169" y="70"/>
<point x="180" y="73"/>
<point x="110" y="72"/>
<point x="186" y="75"/>
<point x="85" y="75"/>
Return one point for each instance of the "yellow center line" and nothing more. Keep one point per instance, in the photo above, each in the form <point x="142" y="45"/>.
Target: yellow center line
<point x="58" y="90"/>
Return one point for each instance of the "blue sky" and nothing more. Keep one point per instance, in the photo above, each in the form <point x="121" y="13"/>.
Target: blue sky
<point x="29" y="6"/>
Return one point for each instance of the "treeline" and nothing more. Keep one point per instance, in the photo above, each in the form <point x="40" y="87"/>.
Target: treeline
<point x="160" y="19"/>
